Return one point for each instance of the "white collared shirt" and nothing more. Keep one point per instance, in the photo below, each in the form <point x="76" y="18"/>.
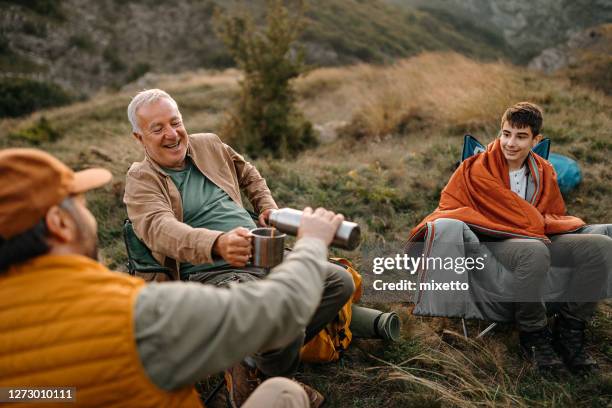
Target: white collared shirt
<point x="518" y="181"/>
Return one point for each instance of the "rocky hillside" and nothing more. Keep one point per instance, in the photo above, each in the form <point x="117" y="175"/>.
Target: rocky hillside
<point x="586" y="58"/>
<point x="526" y="26"/>
<point x="84" y="45"/>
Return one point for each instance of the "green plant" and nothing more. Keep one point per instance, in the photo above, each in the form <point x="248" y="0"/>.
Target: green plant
<point x="51" y="8"/>
<point x="82" y="41"/>
<point x="111" y="56"/>
<point x="265" y="118"/>
<point x="22" y="96"/>
<point x="39" y="132"/>
<point x="33" y="28"/>
<point x="138" y="70"/>
<point x="5" y="47"/>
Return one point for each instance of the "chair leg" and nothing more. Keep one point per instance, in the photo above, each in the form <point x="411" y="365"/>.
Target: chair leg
<point x="485" y="331"/>
<point x="465" y="332"/>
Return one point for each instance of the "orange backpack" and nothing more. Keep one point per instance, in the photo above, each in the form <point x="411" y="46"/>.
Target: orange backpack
<point x="330" y="342"/>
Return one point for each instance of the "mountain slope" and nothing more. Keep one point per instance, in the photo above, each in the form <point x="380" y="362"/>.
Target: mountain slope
<point x="585" y="59"/>
<point x="86" y="45"/>
<point x="527" y="26"/>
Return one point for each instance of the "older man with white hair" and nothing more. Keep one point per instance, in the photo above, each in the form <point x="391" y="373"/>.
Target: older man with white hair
<point x="184" y="200"/>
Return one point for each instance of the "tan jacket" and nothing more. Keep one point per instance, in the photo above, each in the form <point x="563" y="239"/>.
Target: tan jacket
<point x="155" y="208"/>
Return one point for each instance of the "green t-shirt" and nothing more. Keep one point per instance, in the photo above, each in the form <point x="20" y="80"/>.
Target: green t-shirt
<point x="205" y="205"/>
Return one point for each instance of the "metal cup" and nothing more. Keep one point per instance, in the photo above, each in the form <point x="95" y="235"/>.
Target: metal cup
<point x="268" y="247"/>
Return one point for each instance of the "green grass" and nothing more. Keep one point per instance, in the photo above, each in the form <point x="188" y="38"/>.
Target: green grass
<point x="20" y="96"/>
<point x="374" y="31"/>
<point x="38" y="133"/>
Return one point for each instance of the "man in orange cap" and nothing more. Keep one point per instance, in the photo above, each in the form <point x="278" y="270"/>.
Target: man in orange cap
<point x="67" y="321"/>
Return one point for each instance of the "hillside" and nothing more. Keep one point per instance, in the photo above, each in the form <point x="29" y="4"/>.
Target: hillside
<point x="87" y="45"/>
<point x="586" y="58"/>
<point x="526" y="26"/>
<point x="401" y="131"/>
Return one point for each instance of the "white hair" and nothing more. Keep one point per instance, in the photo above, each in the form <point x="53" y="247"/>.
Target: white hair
<point x="145" y="98"/>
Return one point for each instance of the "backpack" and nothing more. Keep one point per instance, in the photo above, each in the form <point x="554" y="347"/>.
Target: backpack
<point x="329" y="344"/>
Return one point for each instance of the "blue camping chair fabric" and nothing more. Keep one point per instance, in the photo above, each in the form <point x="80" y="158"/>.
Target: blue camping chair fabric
<point x="568" y="171"/>
<point x="472" y="146"/>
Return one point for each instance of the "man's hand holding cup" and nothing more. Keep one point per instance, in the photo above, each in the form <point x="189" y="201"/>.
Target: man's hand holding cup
<point x="234" y="246"/>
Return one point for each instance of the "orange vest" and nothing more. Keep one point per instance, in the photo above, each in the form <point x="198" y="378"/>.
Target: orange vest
<point x="67" y="321"/>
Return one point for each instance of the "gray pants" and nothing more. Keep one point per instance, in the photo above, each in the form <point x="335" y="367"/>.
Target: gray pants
<point x="530" y="260"/>
<point x="338" y="288"/>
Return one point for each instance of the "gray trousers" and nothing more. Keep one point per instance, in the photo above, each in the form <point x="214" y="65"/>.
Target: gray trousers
<point x="338" y="288"/>
<point x="589" y="256"/>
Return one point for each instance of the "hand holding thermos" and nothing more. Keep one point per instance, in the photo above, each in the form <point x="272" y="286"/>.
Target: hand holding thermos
<point x="288" y="220"/>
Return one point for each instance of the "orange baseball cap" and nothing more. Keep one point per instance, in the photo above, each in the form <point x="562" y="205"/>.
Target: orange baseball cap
<point x="32" y="181"/>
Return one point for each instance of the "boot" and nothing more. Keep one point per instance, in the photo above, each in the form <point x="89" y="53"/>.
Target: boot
<point x="315" y="398"/>
<point x="569" y="343"/>
<point x="241" y="380"/>
<point x="537" y="348"/>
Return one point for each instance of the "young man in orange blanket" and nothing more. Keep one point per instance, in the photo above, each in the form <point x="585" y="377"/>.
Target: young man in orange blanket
<point x="510" y="195"/>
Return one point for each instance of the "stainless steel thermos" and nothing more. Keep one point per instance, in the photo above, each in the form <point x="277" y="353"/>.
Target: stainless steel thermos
<point x="288" y="220"/>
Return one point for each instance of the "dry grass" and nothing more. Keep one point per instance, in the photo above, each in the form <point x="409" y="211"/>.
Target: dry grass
<point x="473" y="378"/>
<point x="443" y="89"/>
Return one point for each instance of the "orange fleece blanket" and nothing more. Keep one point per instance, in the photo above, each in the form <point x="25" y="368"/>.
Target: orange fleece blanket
<point x="479" y="194"/>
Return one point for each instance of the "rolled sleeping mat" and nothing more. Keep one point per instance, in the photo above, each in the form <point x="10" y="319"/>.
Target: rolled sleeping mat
<point x="374" y="324"/>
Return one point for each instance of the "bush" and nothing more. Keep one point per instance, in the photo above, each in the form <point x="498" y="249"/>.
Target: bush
<point x="22" y="96"/>
<point x="266" y="119"/>
<point x="50" y="8"/>
<point x="137" y="71"/>
<point x="82" y="42"/>
<point x="111" y="56"/>
<point x="40" y="132"/>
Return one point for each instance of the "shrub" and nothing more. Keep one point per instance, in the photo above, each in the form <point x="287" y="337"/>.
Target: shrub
<point x="138" y="70"/>
<point x="40" y="132"/>
<point x="265" y="119"/>
<point x="35" y="29"/>
<point x="50" y="8"/>
<point x="111" y="56"/>
<point x="22" y="96"/>
<point x="5" y="48"/>
<point x="83" y="42"/>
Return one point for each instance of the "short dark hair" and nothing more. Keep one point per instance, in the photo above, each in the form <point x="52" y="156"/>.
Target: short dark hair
<point x="31" y="243"/>
<point x="24" y="246"/>
<point x="524" y="114"/>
